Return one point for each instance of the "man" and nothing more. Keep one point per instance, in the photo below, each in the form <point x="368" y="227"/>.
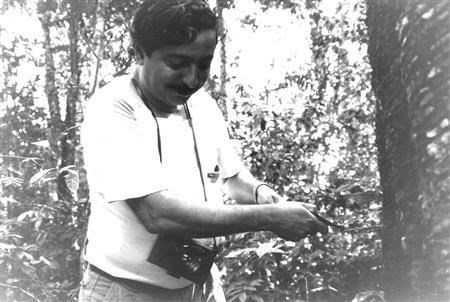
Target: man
<point x="158" y="155"/>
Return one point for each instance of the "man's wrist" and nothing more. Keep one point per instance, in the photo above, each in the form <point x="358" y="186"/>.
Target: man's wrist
<point x="256" y="191"/>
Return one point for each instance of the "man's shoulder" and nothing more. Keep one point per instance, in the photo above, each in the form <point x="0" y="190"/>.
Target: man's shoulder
<point x="117" y="88"/>
<point x="118" y="94"/>
<point x="113" y="100"/>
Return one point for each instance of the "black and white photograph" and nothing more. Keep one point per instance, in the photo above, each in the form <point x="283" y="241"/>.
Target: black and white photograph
<point x="225" y="150"/>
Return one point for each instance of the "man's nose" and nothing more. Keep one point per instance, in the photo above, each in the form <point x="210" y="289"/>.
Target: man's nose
<point x="191" y="77"/>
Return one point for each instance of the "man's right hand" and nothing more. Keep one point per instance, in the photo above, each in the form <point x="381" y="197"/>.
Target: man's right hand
<point x="166" y="213"/>
<point x="294" y="222"/>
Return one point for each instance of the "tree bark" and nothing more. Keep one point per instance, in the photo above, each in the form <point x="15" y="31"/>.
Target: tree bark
<point x="98" y="25"/>
<point x="51" y="89"/>
<point x="392" y="139"/>
<point x="222" y="91"/>
<point x="405" y="37"/>
<point x="223" y="71"/>
<point x="70" y="139"/>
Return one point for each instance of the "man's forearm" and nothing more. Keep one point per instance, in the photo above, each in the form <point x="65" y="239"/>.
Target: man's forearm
<point x="164" y="213"/>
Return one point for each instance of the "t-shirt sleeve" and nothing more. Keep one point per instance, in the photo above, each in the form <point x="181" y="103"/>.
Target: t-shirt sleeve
<point x="121" y="151"/>
<point x="229" y="162"/>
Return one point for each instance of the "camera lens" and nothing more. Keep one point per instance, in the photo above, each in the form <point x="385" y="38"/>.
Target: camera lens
<point x="191" y="257"/>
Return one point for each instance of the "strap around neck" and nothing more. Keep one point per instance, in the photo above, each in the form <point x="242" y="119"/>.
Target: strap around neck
<point x="147" y="104"/>
<point x="189" y="118"/>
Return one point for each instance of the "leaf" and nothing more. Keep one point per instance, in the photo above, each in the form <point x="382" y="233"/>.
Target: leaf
<point x="7" y="246"/>
<point x="12" y="280"/>
<point x="72" y="180"/>
<point x="256" y="282"/>
<point x="364" y="197"/>
<point x="11" y="181"/>
<point x="69" y="168"/>
<point x="53" y="264"/>
<point x="25" y="255"/>
<point x="344" y="187"/>
<point x="236" y="253"/>
<point x="44" y="144"/>
<point x="370" y="295"/>
<point x="14" y="236"/>
<point x="317" y="254"/>
<point x="39" y="175"/>
<point x="12" y="170"/>
<point x="267" y="247"/>
<point x="38" y="223"/>
<point x="29" y="270"/>
<point x="26" y="214"/>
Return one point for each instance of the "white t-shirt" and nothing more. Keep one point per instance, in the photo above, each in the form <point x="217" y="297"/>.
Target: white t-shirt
<point x="119" y="137"/>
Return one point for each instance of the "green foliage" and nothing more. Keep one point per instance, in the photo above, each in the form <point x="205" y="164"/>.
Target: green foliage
<point x="37" y="232"/>
<point x="44" y="197"/>
<point x="40" y="233"/>
<point x="315" y="147"/>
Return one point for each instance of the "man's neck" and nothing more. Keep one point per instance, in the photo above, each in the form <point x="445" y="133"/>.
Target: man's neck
<point x="159" y="108"/>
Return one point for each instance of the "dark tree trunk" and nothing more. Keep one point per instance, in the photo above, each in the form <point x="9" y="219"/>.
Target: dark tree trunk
<point x="222" y="91"/>
<point x="70" y="140"/>
<point x="50" y="82"/>
<point x="408" y="51"/>
<point x="395" y="150"/>
<point x="55" y="126"/>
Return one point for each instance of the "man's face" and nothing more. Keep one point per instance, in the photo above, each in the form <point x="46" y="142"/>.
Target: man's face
<point x="171" y="74"/>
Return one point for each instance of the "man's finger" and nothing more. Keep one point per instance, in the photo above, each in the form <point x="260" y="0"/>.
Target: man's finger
<point x="319" y="227"/>
<point x="323" y="229"/>
<point x="310" y="207"/>
<point x="327" y="222"/>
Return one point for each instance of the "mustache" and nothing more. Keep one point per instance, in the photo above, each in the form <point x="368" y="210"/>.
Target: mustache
<point x="183" y="89"/>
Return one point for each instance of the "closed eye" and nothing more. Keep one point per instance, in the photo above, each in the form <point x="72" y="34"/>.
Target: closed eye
<point x="176" y="62"/>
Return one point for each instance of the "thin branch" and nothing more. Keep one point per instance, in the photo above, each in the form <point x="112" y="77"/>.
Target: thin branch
<point x="21" y="289"/>
<point x="20" y="157"/>
<point x="100" y="50"/>
<point x="69" y="13"/>
<point x="66" y="131"/>
<point x="351" y="230"/>
<point x="59" y="48"/>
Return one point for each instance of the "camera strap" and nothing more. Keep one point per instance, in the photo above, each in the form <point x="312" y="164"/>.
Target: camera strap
<point x="189" y="118"/>
<point x="197" y="157"/>
<point x="147" y="104"/>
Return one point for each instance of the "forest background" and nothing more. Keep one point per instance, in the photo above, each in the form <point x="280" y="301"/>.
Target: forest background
<point x="344" y="104"/>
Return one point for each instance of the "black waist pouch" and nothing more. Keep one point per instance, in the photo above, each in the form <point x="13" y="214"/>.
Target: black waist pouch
<point x="183" y="257"/>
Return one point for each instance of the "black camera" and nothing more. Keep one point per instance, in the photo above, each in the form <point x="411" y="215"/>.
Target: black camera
<point x="183" y="257"/>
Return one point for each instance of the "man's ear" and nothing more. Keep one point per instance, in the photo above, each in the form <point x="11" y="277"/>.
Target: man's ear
<point x="139" y="55"/>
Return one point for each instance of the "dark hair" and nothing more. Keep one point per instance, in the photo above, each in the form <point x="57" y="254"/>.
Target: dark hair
<point x="159" y="23"/>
